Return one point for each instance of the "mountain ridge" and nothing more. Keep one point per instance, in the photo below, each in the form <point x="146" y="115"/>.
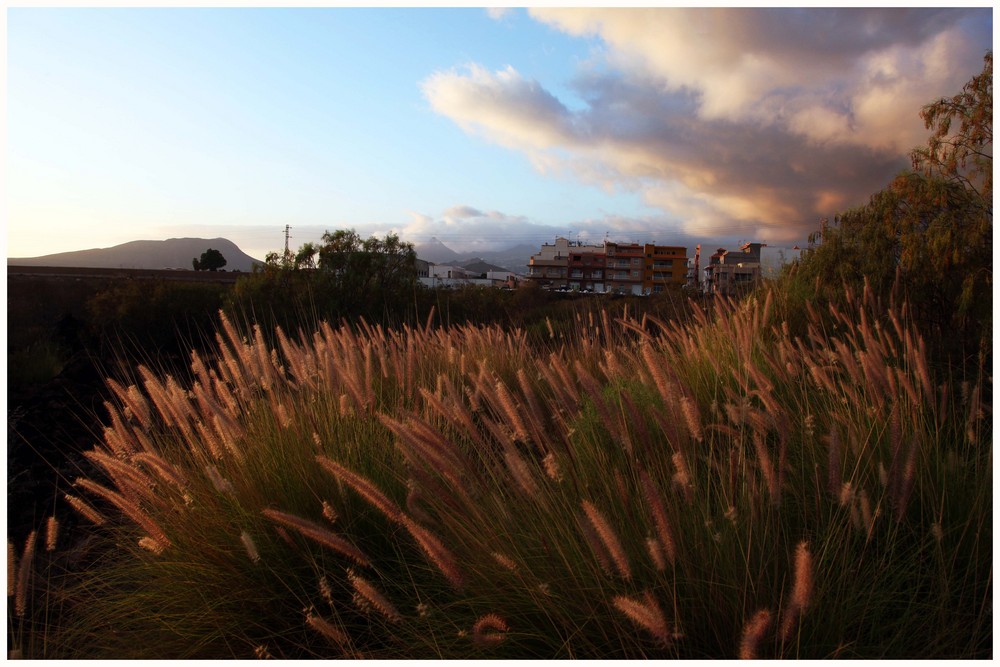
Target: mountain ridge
<point x="514" y="259"/>
<point x="175" y="253"/>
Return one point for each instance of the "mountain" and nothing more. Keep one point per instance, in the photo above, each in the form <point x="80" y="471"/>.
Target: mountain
<point x="513" y="259"/>
<point x="436" y="252"/>
<point x="169" y="254"/>
<point x="478" y="265"/>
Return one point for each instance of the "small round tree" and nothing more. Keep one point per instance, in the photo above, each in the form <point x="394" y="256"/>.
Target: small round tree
<point x="211" y="260"/>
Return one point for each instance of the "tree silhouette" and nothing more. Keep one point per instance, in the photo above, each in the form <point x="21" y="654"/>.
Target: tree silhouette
<point x="211" y="260"/>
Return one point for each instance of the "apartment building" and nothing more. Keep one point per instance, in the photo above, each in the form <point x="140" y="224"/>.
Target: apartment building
<point x="550" y="266"/>
<point x="620" y="268"/>
<point x="665" y="266"/>
<point x="586" y="270"/>
<point x="733" y="272"/>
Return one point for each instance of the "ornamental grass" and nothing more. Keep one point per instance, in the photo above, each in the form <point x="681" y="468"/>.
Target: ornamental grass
<point x="716" y="488"/>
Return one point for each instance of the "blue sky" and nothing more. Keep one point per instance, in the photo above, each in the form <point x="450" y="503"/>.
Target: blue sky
<point x="480" y="128"/>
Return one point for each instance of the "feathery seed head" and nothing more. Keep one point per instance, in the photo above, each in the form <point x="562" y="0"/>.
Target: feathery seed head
<point x="51" y="533"/>
<point x="11" y="568"/>
<point x="645" y="613"/>
<point x="504" y="561"/>
<point x="489" y="631"/>
<point x="753" y="634"/>
<point x="552" y="468"/>
<point x="24" y="574"/>
<point x="367" y="597"/>
<point x="329" y="513"/>
<point x="656" y="553"/>
<point x="803" y="587"/>
<point x="609" y="538"/>
<point x="250" y="547"/>
<point x="85" y="510"/>
<point x="327" y="629"/>
<point x="149" y="544"/>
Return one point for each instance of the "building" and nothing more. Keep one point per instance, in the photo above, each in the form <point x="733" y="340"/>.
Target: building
<point x="423" y="268"/>
<point x="665" y="266"/>
<point x="620" y="268"/>
<point x="443" y="275"/>
<point x="731" y="273"/>
<point x="550" y="266"/>
<point x="586" y="270"/>
<point x="626" y="267"/>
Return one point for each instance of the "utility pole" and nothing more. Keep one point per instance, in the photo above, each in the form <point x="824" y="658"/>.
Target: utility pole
<point x="697" y="266"/>
<point x="287" y="255"/>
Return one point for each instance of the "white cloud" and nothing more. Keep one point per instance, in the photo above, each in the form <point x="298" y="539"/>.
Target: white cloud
<point x="498" y="13"/>
<point x="512" y="110"/>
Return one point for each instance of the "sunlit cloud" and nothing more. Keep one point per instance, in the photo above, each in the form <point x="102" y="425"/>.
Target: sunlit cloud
<point x="756" y="120"/>
<point x="510" y="109"/>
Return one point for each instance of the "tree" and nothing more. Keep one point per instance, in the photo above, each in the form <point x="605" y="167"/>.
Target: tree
<point x="965" y="156"/>
<point x="341" y="276"/>
<point x="305" y="258"/>
<point x="928" y="235"/>
<point x="211" y="260"/>
<point x="373" y="267"/>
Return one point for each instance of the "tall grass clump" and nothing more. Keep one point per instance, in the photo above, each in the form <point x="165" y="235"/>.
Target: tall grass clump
<point x="720" y="487"/>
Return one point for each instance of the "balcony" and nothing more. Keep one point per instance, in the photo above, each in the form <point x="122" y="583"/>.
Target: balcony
<point x="534" y="261"/>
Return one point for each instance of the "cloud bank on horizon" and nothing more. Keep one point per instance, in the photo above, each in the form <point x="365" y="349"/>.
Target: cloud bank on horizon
<point x="735" y="123"/>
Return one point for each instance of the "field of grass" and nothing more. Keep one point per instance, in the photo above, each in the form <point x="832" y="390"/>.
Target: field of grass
<point x="728" y="486"/>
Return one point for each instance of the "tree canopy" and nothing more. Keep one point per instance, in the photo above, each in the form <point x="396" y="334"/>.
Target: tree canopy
<point x="926" y="237"/>
<point x="343" y="275"/>
<point x="211" y="260"/>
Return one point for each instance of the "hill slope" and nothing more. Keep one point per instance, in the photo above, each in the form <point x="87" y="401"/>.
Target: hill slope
<point x="511" y="259"/>
<point x="168" y="254"/>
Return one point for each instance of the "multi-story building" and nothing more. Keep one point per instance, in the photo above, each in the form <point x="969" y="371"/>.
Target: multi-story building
<point x="665" y="265"/>
<point x="550" y="267"/>
<point x="621" y="268"/>
<point x="626" y="264"/>
<point x="733" y="272"/>
<point x="730" y="273"/>
<point x="586" y="270"/>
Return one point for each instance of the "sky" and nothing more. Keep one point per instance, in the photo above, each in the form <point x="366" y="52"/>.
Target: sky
<point x="482" y="128"/>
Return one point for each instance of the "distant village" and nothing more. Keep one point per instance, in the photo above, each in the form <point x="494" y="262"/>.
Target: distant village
<point x="638" y="269"/>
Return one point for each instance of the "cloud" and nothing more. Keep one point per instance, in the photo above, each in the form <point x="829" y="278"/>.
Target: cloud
<point x="462" y="212"/>
<point x="468" y="229"/>
<point x="509" y="109"/>
<point x="762" y="120"/>
<point x="498" y="13"/>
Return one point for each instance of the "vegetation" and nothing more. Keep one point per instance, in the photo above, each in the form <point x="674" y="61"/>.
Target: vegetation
<point x="639" y="490"/>
<point x="211" y="260"/>
<point x="154" y="319"/>
<point x="929" y="233"/>
<point x="344" y="277"/>
<point x="804" y="473"/>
